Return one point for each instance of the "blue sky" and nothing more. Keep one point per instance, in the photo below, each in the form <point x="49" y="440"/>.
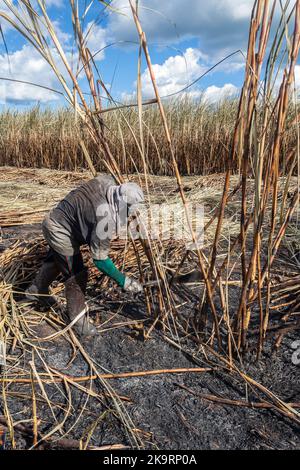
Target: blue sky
<point x="186" y="37"/>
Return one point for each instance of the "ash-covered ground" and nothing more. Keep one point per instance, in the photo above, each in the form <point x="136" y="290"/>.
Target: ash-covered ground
<point x="165" y="414"/>
<point x="166" y="411"/>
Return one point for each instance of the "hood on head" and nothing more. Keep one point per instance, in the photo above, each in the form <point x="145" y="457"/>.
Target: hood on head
<point x="131" y="193"/>
<point x="123" y="201"/>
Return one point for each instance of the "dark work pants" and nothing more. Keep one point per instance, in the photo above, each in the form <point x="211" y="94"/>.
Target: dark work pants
<point x="69" y="266"/>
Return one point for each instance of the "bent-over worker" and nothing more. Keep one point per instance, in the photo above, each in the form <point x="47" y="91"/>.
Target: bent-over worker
<point x="90" y="215"/>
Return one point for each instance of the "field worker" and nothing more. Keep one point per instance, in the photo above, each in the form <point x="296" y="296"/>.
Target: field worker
<point x="90" y="215"/>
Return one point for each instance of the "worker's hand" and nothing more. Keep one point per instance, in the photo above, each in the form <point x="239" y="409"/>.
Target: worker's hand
<point x="132" y="285"/>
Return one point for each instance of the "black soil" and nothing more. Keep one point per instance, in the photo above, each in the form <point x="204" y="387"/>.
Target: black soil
<point x="166" y="415"/>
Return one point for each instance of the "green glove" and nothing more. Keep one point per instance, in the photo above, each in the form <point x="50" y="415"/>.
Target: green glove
<point x="108" y="268"/>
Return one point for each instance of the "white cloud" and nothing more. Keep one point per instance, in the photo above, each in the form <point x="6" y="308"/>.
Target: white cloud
<point x="241" y="10"/>
<point x="26" y="64"/>
<point x="96" y="38"/>
<point x="174" y="74"/>
<point x="6" y="26"/>
<point x="218" y="24"/>
<point x="214" y="94"/>
<point x="179" y="71"/>
<point x="63" y="37"/>
<point x="297" y="76"/>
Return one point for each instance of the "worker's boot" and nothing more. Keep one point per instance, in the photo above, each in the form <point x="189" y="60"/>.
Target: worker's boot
<point x="39" y="289"/>
<point x="75" y="289"/>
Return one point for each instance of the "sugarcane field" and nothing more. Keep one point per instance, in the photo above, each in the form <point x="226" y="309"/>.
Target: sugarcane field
<point x="149" y="228"/>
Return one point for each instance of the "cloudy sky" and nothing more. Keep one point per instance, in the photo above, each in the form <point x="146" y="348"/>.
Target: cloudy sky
<point x="186" y="38"/>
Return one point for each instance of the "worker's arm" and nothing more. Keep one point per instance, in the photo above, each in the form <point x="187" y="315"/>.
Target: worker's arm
<point x="108" y="268"/>
<point x="100" y="253"/>
<point x="127" y="283"/>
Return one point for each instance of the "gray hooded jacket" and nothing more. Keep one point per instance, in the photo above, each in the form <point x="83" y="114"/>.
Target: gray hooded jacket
<point x="90" y="215"/>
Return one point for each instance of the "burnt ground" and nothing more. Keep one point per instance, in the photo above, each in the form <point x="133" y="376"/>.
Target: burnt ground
<point x="166" y="415"/>
<point x="175" y="418"/>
